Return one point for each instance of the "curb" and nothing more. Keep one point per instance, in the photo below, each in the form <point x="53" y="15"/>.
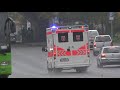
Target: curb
<point x="28" y="44"/>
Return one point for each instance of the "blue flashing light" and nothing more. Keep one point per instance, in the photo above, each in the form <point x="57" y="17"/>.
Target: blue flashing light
<point x="53" y="27"/>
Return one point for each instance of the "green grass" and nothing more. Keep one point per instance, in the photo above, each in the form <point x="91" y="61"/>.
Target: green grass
<point x="6" y="70"/>
<point x="116" y="40"/>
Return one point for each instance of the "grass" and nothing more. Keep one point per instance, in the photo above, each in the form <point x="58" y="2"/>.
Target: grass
<point x="116" y="40"/>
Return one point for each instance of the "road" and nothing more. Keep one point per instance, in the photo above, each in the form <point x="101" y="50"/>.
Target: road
<point x="30" y="62"/>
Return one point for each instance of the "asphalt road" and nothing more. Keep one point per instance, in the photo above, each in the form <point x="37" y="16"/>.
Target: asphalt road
<point x="30" y="62"/>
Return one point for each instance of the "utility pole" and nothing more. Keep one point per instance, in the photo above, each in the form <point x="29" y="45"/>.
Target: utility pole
<point x="112" y="29"/>
<point x="111" y="18"/>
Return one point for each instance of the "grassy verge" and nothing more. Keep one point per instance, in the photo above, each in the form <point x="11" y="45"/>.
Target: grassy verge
<point x="116" y="40"/>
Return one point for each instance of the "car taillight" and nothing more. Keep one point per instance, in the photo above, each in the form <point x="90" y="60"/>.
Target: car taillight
<point x="103" y="56"/>
<point x="94" y="44"/>
<point x="54" y="55"/>
<point x="82" y="26"/>
<point x="88" y="52"/>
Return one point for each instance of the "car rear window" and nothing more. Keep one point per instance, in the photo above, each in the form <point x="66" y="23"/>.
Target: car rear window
<point x="77" y="36"/>
<point x="92" y="33"/>
<point x="103" y="39"/>
<point x="62" y="37"/>
<point x="112" y="50"/>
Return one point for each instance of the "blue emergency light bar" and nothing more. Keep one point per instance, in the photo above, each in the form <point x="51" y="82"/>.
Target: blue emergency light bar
<point x="54" y="28"/>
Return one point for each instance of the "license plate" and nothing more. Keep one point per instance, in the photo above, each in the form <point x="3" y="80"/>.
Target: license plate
<point x="64" y="59"/>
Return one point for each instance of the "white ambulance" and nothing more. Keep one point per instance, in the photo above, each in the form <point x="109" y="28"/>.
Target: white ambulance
<point x="68" y="48"/>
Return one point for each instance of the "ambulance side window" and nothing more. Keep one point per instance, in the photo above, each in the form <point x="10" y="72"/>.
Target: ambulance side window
<point x="62" y="37"/>
<point x="77" y="36"/>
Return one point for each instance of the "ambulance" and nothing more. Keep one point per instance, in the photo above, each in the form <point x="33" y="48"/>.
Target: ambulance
<point x="67" y="48"/>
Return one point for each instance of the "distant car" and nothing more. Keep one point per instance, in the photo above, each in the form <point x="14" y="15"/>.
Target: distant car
<point x="91" y="35"/>
<point x="109" y="55"/>
<point x="101" y="41"/>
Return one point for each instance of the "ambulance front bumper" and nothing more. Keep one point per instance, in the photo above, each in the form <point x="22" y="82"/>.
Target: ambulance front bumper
<point x="71" y="65"/>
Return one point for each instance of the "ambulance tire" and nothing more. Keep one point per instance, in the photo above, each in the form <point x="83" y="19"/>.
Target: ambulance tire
<point x="57" y="70"/>
<point x="78" y="70"/>
<point x="81" y="69"/>
<point x="49" y="69"/>
<point x="84" y="69"/>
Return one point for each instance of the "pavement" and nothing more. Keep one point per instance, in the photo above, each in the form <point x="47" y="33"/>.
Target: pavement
<point x="31" y="62"/>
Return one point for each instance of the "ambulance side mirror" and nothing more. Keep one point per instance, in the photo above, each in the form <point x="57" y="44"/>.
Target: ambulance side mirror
<point x="45" y="50"/>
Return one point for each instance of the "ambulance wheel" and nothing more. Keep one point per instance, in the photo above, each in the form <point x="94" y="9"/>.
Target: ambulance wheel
<point x="81" y="69"/>
<point x="57" y="70"/>
<point x="78" y="70"/>
<point x="49" y="69"/>
<point x="84" y="69"/>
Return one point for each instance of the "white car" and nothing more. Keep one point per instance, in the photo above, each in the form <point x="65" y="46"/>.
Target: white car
<point x="101" y="41"/>
<point x="109" y="55"/>
<point x="91" y="36"/>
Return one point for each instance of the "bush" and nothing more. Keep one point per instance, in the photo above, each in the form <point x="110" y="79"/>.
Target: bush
<point x="116" y="38"/>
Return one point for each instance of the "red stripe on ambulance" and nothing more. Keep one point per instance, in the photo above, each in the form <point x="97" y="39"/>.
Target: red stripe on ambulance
<point x="50" y="54"/>
<point x="62" y="31"/>
<point x="48" y="33"/>
<point x="82" y="47"/>
<point x="81" y="51"/>
<point x="63" y="52"/>
<point x="77" y="30"/>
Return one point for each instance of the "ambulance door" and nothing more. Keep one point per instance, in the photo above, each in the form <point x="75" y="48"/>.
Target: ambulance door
<point x="63" y="47"/>
<point x="79" y="46"/>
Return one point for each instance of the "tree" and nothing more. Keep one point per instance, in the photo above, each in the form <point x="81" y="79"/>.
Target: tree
<point x="40" y="20"/>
